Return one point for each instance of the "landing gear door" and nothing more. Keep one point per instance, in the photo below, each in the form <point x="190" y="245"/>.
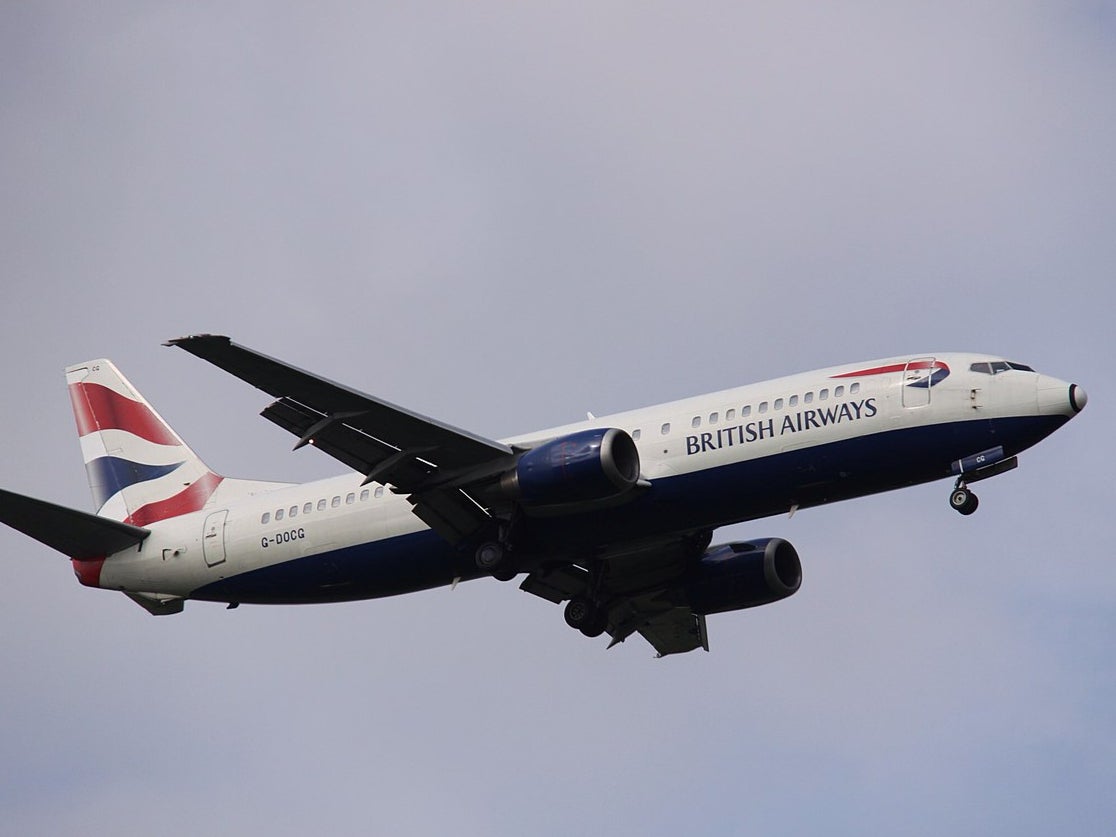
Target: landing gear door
<point x="917" y="381"/>
<point x="213" y="538"/>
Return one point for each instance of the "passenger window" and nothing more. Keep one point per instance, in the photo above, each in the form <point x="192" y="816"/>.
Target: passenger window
<point x="712" y="418"/>
<point x="309" y="507"/>
<point x="322" y="504"/>
<point x="793" y="401"/>
<point x="364" y="495"/>
<point x="293" y="512"/>
<point x="730" y="414"/>
<point x="665" y="429"/>
<point x="350" y="499"/>
<point x="854" y="389"/>
<point x="266" y="517"/>
<point x="335" y="502"/>
<point x="745" y="411"/>
<point x="838" y="392"/>
<point x="763" y="407"/>
<point x="808" y="398"/>
<point x="278" y="515"/>
<point x="636" y="434"/>
<point x="379" y="491"/>
<point x="823" y="395"/>
<point x="696" y="422"/>
<point x="778" y="403"/>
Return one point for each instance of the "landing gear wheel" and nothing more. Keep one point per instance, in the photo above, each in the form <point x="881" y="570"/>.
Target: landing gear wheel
<point x="582" y="614"/>
<point x="963" y="501"/>
<point x="596" y="625"/>
<point x="490" y="557"/>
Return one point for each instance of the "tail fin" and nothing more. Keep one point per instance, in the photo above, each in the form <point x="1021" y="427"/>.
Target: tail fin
<point x="139" y="469"/>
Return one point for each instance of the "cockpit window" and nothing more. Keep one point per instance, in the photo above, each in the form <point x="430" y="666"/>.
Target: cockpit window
<point x="995" y="367"/>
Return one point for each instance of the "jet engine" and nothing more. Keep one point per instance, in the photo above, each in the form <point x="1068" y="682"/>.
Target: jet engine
<point x="734" y="576"/>
<point x="583" y="467"/>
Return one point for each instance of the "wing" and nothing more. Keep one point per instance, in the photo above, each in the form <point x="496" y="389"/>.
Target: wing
<point x="425" y="458"/>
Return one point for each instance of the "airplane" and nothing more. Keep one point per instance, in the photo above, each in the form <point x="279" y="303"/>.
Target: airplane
<point x="613" y="516"/>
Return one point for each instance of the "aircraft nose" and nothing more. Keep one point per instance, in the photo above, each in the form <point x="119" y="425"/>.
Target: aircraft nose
<point x="1057" y="397"/>
<point x="1078" y="398"/>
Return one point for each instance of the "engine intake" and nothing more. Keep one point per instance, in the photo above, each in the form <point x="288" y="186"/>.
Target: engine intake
<point x="738" y="575"/>
<point x="586" y="466"/>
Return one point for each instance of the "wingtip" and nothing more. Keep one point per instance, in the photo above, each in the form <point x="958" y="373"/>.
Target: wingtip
<point x="183" y="342"/>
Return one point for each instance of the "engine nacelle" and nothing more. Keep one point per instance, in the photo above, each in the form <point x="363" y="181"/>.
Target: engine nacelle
<point x="734" y="576"/>
<point x="586" y="466"/>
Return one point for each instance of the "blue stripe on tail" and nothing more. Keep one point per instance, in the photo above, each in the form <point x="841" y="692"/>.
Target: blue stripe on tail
<point x="109" y="475"/>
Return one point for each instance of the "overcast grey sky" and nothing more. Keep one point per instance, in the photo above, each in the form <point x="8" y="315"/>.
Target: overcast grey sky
<point x="504" y="216"/>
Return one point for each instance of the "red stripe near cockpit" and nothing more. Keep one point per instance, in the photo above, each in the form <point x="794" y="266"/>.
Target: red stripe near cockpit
<point x="895" y="367"/>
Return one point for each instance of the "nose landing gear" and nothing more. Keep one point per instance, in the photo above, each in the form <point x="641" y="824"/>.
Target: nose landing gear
<point x="979" y="466"/>
<point x="962" y="499"/>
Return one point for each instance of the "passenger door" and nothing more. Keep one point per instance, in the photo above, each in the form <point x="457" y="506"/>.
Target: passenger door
<point x="917" y="382"/>
<point x="213" y="538"/>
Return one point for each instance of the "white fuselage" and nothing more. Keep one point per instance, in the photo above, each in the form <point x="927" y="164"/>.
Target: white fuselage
<point x="679" y="439"/>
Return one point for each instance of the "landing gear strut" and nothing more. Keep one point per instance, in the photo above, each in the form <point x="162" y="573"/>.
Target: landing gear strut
<point x="497" y="557"/>
<point x="963" y="500"/>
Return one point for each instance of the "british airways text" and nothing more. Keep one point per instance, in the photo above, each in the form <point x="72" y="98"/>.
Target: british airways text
<point x="755" y="431"/>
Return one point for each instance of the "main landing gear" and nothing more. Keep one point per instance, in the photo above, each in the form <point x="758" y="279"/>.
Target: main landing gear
<point x="495" y="554"/>
<point x="962" y="499"/>
<point x="587" y="611"/>
<point x="585" y="615"/>
<point x="492" y="557"/>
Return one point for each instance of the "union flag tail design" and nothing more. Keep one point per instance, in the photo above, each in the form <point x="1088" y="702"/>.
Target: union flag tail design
<point x="139" y="469"/>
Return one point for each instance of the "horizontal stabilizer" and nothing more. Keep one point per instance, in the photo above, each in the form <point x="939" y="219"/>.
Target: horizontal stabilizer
<point x="74" y="533"/>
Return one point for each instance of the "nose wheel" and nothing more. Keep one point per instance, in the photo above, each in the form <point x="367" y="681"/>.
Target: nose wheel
<point x="963" y="500"/>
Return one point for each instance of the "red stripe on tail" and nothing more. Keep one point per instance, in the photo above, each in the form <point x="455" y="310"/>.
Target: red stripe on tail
<point x="184" y="502"/>
<point x="97" y="408"/>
